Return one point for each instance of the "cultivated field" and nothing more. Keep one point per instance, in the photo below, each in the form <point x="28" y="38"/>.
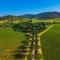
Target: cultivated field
<point x="51" y="43"/>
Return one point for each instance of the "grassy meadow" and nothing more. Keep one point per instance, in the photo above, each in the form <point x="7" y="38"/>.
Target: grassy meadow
<point x="9" y="39"/>
<point x="51" y="43"/>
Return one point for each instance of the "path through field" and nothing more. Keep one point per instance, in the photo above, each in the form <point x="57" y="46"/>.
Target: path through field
<point x="39" y="42"/>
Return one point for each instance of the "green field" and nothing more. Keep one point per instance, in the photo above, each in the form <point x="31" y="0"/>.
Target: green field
<point x="51" y="43"/>
<point x="46" y="20"/>
<point x="9" y="39"/>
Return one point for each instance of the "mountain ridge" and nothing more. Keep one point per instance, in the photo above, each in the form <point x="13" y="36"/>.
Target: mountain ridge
<point x="44" y="15"/>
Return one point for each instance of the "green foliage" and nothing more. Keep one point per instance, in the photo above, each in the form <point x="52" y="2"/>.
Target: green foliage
<point x="29" y="27"/>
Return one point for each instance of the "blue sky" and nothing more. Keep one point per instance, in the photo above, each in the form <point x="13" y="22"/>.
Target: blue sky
<point x="20" y="7"/>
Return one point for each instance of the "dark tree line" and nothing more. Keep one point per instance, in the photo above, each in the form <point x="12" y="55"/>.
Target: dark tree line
<point x="28" y="27"/>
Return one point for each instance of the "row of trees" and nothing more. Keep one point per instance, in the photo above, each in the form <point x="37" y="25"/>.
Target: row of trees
<point x="23" y="48"/>
<point x="28" y="27"/>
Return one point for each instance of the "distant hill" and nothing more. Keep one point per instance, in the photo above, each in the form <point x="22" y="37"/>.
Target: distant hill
<point x="48" y="15"/>
<point x="30" y="16"/>
<point x="44" y="15"/>
<point x="9" y="17"/>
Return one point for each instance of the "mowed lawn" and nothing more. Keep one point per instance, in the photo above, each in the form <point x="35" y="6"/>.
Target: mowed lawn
<point x="51" y="43"/>
<point x="10" y="39"/>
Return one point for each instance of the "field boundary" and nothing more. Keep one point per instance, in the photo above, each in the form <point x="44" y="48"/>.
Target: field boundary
<point x="39" y="42"/>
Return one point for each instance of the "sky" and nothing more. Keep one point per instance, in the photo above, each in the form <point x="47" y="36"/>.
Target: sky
<point x="20" y="7"/>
